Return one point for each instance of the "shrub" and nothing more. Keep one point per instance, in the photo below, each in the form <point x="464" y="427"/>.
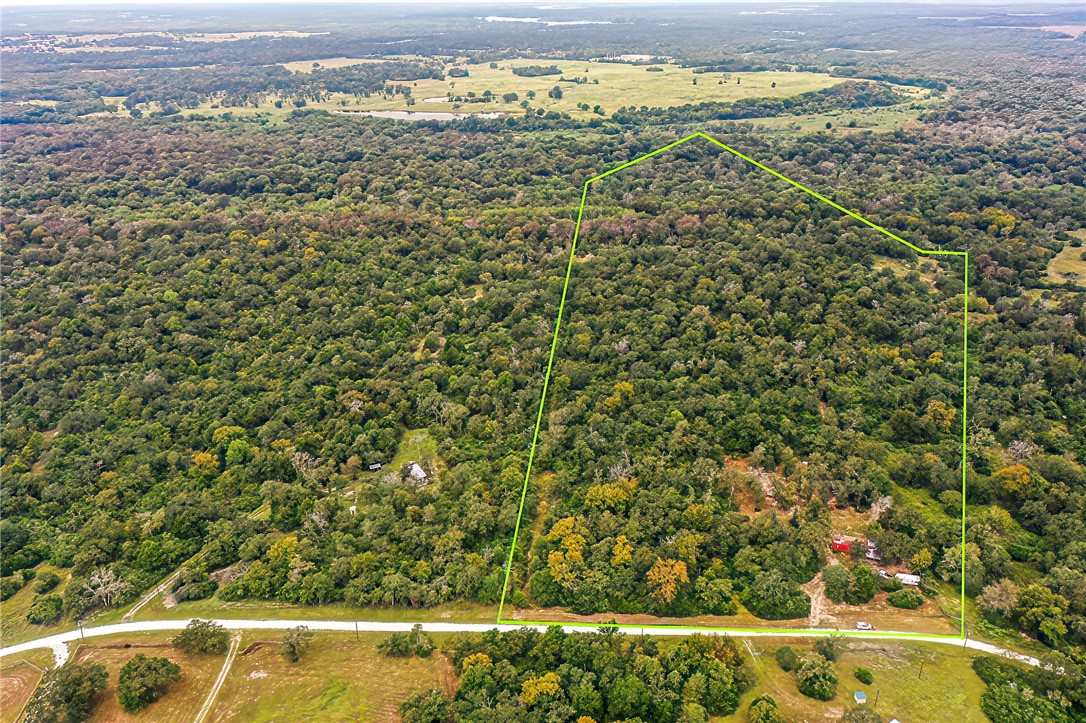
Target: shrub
<point x="816" y="678"/>
<point x="203" y="636"/>
<point x="404" y="645"/>
<point x="46" y="582"/>
<point x="787" y="658"/>
<point x="829" y="647"/>
<point x="9" y="586"/>
<point x="907" y="599"/>
<point x="763" y="709"/>
<point x="144" y="680"/>
<point x="890" y="584"/>
<point x="296" y="643"/>
<point x="864" y="676"/>
<point x="46" y="610"/>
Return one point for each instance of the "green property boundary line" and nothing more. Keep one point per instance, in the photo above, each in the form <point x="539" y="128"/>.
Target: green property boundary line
<point x="546" y="383"/>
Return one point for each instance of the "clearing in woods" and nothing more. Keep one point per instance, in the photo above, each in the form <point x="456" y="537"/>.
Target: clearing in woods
<point x="1070" y="263"/>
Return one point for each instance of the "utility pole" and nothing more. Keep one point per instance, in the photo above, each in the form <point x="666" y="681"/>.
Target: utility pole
<point x="921" y="673"/>
<point x="356" y="630"/>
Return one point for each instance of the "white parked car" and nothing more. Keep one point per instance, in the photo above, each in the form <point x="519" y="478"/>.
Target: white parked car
<point x="864" y="626"/>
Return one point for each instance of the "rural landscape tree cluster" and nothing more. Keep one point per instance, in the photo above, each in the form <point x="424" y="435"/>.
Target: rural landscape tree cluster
<point x="526" y="675"/>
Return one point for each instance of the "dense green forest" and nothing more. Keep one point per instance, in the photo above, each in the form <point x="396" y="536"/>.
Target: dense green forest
<point x="216" y="327"/>
<point x="531" y="676"/>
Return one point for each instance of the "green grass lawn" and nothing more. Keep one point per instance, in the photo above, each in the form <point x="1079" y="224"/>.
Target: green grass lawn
<point x="944" y="689"/>
<point x="340" y="679"/>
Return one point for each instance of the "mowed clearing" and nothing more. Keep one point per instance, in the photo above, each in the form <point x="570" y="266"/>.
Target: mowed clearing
<point x="917" y="682"/>
<point x="198" y="673"/>
<point x="619" y="85"/>
<point x="1070" y="263"/>
<point x="339" y="679"/>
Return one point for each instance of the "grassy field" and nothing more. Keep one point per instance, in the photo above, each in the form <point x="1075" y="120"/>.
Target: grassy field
<point x="308" y="66"/>
<point x="198" y="673"/>
<point x="339" y="679"/>
<point x="619" y="85"/>
<point x="943" y="689"/>
<point x="1069" y="264"/>
<point x="859" y="120"/>
<point x="14" y="627"/>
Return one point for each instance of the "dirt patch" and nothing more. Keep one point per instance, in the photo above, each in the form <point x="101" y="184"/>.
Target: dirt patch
<point x="255" y="646"/>
<point x="16" y="686"/>
<point x="819" y="604"/>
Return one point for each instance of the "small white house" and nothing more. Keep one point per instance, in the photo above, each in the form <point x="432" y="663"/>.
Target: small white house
<point x="418" y="474"/>
<point x="906" y="579"/>
<point x="375" y="466"/>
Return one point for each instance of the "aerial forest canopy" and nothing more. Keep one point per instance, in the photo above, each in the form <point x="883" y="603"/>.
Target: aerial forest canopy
<point x="299" y="354"/>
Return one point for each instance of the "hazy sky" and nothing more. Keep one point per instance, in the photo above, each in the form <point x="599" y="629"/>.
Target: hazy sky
<point x="539" y="4"/>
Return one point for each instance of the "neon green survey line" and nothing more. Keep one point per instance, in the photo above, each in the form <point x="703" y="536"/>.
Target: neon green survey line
<point x="554" y="347"/>
<point x="965" y="407"/>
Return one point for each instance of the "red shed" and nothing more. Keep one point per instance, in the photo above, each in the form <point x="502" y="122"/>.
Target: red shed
<point x="840" y="544"/>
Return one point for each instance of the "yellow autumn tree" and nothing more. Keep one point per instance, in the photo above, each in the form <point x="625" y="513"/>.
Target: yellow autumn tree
<point x="941" y="415"/>
<point x="533" y="689"/>
<point x="206" y="462"/>
<point x="611" y="495"/>
<point x="476" y="659"/>
<point x="1015" y="478"/>
<point x="622" y="552"/>
<point x="664" y="579"/>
